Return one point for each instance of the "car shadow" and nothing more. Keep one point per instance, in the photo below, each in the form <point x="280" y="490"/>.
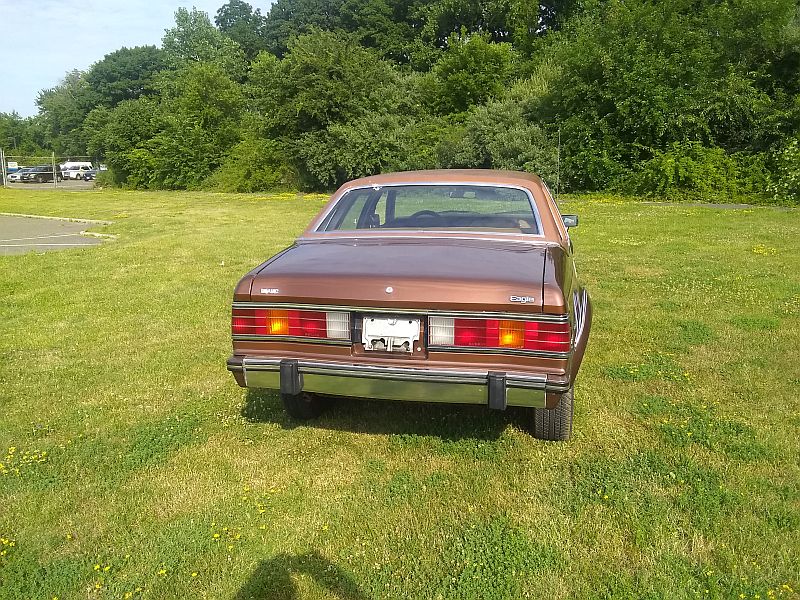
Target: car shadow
<point x="446" y="421"/>
<point x="272" y="579"/>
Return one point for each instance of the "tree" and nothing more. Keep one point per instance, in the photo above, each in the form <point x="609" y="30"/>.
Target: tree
<point x="125" y="74"/>
<point x="195" y="40"/>
<point x="63" y="109"/>
<point x="325" y="78"/>
<point x="202" y="123"/>
<point x="288" y="19"/>
<point x="243" y="25"/>
<point x="636" y="81"/>
<point x="471" y="71"/>
<point x="128" y="128"/>
<point x="21" y="136"/>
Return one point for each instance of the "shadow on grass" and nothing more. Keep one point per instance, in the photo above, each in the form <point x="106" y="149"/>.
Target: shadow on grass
<point x="444" y="421"/>
<point x="272" y="579"/>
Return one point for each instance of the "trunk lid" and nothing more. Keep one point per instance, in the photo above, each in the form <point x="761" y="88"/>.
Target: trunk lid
<point x="423" y="273"/>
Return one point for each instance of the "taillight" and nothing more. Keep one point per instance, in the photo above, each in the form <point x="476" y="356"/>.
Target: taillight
<point x="293" y="323"/>
<point x="499" y="333"/>
<point x="249" y="321"/>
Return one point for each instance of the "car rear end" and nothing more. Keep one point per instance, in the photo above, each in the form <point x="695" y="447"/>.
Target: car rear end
<point x="418" y="292"/>
<point x="500" y="333"/>
<point x="496" y="359"/>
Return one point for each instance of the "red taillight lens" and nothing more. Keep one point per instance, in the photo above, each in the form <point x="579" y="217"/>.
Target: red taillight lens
<point x="249" y="321"/>
<point x="307" y="323"/>
<point x="293" y="323"/>
<point x="495" y="333"/>
<point x="469" y="332"/>
<point x="547" y="337"/>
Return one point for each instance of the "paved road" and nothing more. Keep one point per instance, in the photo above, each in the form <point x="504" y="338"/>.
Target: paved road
<point x="67" y="185"/>
<point x="24" y="234"/>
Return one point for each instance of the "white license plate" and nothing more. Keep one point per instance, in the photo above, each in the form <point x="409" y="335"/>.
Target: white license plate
<point x="389" y="334"/>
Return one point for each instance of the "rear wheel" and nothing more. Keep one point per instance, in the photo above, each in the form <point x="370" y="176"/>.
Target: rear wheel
<point x="303" y="406"/>
<point x="555" y="424"/>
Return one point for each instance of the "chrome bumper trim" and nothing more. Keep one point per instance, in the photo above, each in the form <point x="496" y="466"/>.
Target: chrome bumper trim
<point x="396" y="383"/>
<point x="291" y="338"/>
<point x="532" y="316"/>
<point x="514" y="351"/>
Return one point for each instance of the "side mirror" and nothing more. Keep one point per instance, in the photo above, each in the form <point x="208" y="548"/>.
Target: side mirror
<point x="570" y="220"/>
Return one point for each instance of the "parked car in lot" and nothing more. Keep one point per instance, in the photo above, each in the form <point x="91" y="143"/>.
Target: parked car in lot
<point x="76" y="171"/>
<point x="16" y="176"/>
<point x="453" y="286"/>
<point x="89" y="175"/>
<point x="40" y="174"/>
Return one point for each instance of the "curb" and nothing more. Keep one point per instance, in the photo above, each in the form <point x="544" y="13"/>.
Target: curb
<point x="102" y="236"/>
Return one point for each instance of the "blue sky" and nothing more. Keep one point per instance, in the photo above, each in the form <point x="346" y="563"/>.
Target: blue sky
<point x="41" y="40"/>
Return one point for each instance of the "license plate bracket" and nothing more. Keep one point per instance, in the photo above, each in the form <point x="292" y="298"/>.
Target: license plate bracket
<point x="390" y="334"/>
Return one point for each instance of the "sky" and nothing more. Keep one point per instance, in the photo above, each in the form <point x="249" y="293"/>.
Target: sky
<point x="42" y="40"/>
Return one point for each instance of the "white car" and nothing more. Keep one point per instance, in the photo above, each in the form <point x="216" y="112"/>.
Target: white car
<point x="16" y="176"/>
<point x="76" y="171"/>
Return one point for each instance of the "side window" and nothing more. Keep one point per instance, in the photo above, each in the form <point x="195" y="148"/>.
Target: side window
<point x="350" y="219"/>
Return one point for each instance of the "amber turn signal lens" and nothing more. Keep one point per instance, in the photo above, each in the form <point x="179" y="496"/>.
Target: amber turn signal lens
<point x="277" y="322"/>
<point x="511" y="334"/>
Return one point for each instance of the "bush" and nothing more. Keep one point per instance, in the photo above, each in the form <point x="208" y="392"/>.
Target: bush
<point x="105" y="179"/>
<point x="253" y="165"/>
<point x="689" y="170"/>
<point x="499" y="136"/>
<point x="786" y="185"/>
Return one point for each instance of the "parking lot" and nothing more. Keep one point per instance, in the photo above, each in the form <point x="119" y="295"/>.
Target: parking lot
<point x="19" y="235"/>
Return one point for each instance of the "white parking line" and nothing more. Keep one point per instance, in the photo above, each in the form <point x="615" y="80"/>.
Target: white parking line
<point x="41" y="237"/>
<point x="24" y="245"/>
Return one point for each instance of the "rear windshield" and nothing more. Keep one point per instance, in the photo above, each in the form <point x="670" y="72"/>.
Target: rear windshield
<point x="434" y="207"/>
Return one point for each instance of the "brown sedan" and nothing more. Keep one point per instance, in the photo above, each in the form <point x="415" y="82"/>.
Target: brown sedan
<point x="451" y="286"/>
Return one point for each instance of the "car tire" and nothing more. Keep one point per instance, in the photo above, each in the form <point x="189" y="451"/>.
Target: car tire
<point x="555" y="424"/>
<point x="39" y="179"/>
<point x="303" y="406"/>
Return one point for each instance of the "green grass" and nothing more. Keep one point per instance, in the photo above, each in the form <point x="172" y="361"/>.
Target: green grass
<point x="133" y="464"/>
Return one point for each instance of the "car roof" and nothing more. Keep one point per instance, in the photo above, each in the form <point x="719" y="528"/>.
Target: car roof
<point x="482" y="176"/>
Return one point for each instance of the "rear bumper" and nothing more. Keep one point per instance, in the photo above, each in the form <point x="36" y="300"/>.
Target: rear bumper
<point x="495" y="389"/>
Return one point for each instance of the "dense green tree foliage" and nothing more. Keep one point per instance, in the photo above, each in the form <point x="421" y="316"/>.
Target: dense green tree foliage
<point x="22" y="137"/>
<point x="125" y="74"/>
<point x="243" y="25"/>
<point x="684" y="98"/>
<point x="195" y="40"/>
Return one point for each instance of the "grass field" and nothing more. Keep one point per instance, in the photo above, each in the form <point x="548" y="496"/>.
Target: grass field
<point x="134" y="467"/>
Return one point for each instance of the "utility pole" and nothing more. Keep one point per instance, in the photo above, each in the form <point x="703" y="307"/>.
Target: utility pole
<point x="3" y="165"/>
<point x="558" y="164"/>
